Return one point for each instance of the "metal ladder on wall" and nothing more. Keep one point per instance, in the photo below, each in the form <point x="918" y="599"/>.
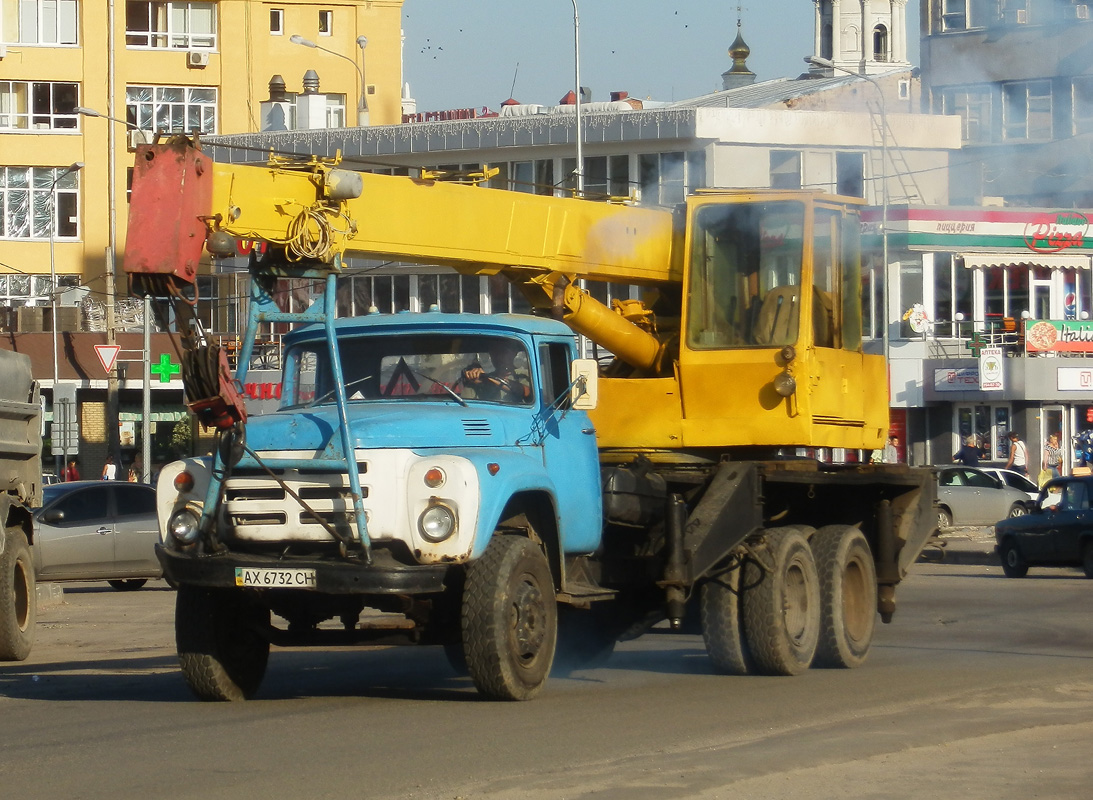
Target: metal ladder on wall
<point x="909" y="190"/>
<point x="339" y="456"/>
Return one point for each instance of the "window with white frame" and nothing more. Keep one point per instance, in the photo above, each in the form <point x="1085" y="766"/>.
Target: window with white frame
<point x="173" y="24"/>
<point x="277" y="21"/>
<point x="326" y="22"/>
<point x="171" y="109"/>
<point x="1026" y="110"/>
<point x="533" y="177"/>
<point x="38" y="105"/>
<point x="973" y="105"/>
<point x="335" y="111"/>
<point x="37" y="200"/>
<point x="608" y="176"/>
<point x="1082" y="104"/>
<point x="966" y="15"/>
<point x="31" y="290"/>
<point x="785" y="169"/>
<point x="45" y="22"/>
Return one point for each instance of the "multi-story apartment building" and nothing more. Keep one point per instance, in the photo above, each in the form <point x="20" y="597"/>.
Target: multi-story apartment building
<point x="147" y="67"/>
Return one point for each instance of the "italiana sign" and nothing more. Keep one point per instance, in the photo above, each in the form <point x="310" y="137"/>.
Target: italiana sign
<point x="1059" y="336"/>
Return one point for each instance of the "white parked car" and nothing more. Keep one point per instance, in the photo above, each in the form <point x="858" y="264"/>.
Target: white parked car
<point x="1014" y="479"/>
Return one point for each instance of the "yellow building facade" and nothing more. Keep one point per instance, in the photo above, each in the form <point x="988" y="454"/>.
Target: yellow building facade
<point x="157" y="66"/>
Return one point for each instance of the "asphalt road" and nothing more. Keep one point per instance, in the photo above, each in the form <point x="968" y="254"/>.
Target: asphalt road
<point x="982" y="687"/>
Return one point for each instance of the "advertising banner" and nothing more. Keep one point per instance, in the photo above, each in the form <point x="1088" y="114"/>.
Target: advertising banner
<point x="1059" y="336"/>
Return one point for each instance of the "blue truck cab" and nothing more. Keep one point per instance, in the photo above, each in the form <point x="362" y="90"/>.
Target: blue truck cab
<point x="462" y="426"/>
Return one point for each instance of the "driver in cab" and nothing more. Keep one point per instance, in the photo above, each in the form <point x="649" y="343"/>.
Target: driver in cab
<point x="507" y="383"/>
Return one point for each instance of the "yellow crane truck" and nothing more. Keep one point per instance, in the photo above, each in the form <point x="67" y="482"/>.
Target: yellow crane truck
<point x="467" y="481"/>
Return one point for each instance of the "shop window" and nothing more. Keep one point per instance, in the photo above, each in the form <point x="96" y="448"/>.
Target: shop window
<point x="989" y="424"/>
<point x="666" y="178"/>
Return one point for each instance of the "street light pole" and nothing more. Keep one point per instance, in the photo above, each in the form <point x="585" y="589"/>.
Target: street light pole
<point x="579" y="172"/>
<point x="362" y="42"/>
<point x="61" y="457"/>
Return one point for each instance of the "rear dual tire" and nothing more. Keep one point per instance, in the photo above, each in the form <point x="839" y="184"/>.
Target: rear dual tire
<point x="18" y="600"/>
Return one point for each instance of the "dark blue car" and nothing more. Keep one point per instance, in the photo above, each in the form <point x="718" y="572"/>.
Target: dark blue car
<point x="1058" y="532"/>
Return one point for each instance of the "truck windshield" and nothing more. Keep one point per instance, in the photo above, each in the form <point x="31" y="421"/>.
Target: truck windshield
<point x="408" y="368"/>
<point x="745" y="275"/>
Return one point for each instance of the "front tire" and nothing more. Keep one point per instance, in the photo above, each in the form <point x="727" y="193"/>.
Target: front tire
<point x="782" y="607"/>
<point x="510" y="619"/>
<point x="1013" y="563"/>
<point x="222" y="647"/>
<point x="18" y="600"/>
<point x="130" y="585"/>
<point x="944" y="519"/>
<point x="848" y="596"/>
<point x="1017" y="510"/>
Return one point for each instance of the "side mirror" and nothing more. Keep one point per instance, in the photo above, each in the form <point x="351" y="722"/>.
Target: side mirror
<point x="584" y="377"/>
<point x="53" y="516"/>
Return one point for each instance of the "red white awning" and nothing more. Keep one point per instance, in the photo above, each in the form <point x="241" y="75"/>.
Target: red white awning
<point x="1026" y="259"/>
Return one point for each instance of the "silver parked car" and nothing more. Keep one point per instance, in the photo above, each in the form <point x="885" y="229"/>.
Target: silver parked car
<point x="97" y="530"/>
<point x="969" y="496"/>
<point x="1014" y="479"/>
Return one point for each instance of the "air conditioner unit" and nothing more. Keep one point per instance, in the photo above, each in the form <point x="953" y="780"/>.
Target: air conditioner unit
<point x="1081" y="11"/>
<point x="197" y="58"/>
<point x="140" y="137"/>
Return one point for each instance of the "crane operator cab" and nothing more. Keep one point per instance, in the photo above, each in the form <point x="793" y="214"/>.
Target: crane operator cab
<point x="772" y="299"/>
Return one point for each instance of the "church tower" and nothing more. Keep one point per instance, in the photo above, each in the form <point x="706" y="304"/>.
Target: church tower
<point x="867" y="36"/>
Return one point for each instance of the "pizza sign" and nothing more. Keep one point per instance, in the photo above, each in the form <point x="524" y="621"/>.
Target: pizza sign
<point x="1053" y="233"/>
<point x="1059" y="336"/>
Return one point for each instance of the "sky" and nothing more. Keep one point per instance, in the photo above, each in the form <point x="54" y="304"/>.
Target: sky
<point x="474" y="53"/>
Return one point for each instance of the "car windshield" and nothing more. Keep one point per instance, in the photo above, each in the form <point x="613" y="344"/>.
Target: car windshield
<point x="410" y="368"/>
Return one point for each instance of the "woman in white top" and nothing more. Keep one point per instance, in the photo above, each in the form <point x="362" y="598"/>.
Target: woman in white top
<point x="1018" y="460"/>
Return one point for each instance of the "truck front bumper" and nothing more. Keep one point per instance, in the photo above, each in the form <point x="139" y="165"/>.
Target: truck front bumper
<point x="331" y="577"/>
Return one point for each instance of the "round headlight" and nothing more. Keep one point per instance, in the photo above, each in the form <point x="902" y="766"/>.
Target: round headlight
<point x="183" y="527"/>
<point x="785" y="384"/>
<point x="436" y="523"/>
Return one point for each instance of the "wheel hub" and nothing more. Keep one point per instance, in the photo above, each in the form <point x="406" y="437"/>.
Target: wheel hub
<point x="527" y="620"/>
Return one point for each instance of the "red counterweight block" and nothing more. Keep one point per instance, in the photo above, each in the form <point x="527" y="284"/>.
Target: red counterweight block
<point x="172" y="191"/>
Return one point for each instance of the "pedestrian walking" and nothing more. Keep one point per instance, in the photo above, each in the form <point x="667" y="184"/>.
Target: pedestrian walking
<point x="1018" y="460"/>
<point x="109" y="469"/>
<point x="72" y="473"/>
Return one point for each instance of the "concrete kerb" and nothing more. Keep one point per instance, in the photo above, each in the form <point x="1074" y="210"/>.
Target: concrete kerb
<point x="49" y="594"/>
<point x="962" y="546"/>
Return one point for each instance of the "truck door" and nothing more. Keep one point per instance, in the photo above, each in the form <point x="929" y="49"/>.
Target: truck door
<point x="569" y="452"/>
<point x="838" y="390"/>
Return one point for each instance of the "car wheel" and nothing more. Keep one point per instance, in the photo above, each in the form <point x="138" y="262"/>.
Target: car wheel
<point x="944" y="518"/>
<point x="1017" y="510"/>
<point x="1087" y="559"/>
<point x="128" y="585"/>
<point x="1013" y="563"/>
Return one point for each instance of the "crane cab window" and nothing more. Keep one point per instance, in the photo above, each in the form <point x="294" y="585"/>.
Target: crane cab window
<point x="745" y="275"/>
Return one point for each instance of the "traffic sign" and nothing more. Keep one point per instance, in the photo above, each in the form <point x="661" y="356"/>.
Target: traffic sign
<point x="108" y="354"/>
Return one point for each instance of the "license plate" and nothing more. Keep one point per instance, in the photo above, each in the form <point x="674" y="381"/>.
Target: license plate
<point x="275" y="578"/>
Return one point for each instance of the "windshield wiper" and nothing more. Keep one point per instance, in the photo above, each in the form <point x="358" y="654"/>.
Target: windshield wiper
<point x="333" y="392"/>
<point x="442" y="385"/>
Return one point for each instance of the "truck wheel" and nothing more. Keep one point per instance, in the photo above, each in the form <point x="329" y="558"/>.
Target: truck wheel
<point x="1013" y="564"/>
<point x="18" y="601"/>
<point x="782" y="607"/>
<point x="510" y="619"/>
<point x="848" y="595"/>
<point x="130" y="585"/>
<point x="722" y="624"/>
<point x="221" y="646"/>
